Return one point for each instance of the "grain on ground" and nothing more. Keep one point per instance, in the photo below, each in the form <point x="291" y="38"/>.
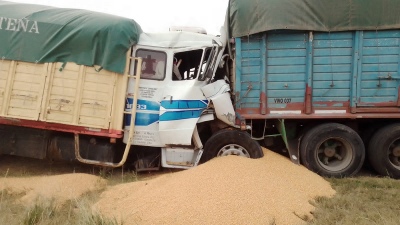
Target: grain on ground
<point x="225" y="190"/>
<point x="59" y="188"/>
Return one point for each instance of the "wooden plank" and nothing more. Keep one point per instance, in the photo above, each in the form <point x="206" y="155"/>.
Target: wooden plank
<point x="92" y="122"/>
<point x="66" y="74"/>
<point x="64" y="83"/>
<point x="101" y="88"/>
<point x="22" y="113"/>
<point x="94" y="111"/>
<point x="4" y="68"/>
<point x="101" y="78"/>
<point x="26" y="86"/>
<point x="29" y="68"/>
<point x="26" y="90"/>
<point x="97" y="96"/>
<point x="7" y="91"/>
<point x="60" y="117"/>
<point x="63" y="91"/>
<point x="60" y="102"/>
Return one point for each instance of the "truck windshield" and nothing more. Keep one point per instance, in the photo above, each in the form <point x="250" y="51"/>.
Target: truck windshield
<point x="208" y="63"/>
<point x="153" y="64"/>
<point x="205" y="64"/>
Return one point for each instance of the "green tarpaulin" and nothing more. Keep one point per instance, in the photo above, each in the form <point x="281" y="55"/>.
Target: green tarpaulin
<point x="245" y="17"/>
<point x="36" y="33"/>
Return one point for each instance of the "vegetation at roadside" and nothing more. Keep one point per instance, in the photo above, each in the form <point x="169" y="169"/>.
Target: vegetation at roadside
<point x="361" y="201"/>
<point x="45" y="212"/>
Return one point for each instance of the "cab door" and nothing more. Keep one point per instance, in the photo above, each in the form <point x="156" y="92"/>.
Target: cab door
<point x="152" y="84"/>
<point x="183" y="101"/>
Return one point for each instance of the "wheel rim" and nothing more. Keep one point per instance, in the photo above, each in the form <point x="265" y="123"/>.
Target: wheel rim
<point x="394" y="153"/>
<point x="335" y="154"/>
<point x="233" y="149"/>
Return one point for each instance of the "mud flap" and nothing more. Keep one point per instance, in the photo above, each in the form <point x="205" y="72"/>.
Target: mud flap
<point x="293" y="146"/>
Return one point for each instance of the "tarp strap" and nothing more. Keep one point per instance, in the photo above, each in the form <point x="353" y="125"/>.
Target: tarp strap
<point x="62" y="66"/>
<point x="99" y="69"/>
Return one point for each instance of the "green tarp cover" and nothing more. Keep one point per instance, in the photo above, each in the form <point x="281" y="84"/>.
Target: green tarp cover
<point x="245" y="17"/>
<point x="36" y="33"/>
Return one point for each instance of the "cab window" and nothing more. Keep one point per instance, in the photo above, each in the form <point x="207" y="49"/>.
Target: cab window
<point x="186" y="65"/>
<point x="153" y="64"/>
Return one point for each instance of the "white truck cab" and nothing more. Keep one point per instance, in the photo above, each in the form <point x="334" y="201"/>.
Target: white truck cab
<point x="171" y="102"/>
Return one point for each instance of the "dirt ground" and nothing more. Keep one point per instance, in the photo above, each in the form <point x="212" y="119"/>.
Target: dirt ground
<point x="226" y="190"/>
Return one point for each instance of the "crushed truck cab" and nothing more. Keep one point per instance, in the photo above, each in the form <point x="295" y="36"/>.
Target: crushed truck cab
<point x="176" y="68"/>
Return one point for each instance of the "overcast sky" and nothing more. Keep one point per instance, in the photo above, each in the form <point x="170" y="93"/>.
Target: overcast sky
<point x="154" y="15"/>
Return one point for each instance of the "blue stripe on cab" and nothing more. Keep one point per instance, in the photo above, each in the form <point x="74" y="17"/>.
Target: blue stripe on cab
<point x="184" y="104"/>
<point x="180" y="115"/>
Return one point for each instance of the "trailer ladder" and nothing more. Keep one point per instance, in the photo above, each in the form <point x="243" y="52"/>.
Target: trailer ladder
<point x="133" y="74"/>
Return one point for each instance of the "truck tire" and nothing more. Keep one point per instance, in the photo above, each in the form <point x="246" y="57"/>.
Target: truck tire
<point x="384" y="151"/>
<point x="332" y="150"/>
<point x="231" y="142"/>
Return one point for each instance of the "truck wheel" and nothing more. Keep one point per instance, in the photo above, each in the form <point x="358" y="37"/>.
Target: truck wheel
<point x="231" y="142"/>
<point x="384" y="151"/>
<point x="332" y="150"/>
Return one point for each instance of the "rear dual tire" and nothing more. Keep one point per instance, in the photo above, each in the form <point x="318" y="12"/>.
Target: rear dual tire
<point x="332" y="150"/>
<point x="384" y="151"/>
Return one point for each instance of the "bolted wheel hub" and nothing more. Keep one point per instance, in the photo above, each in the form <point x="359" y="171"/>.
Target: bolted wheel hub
<point x="396" y="151"/>
<point x="335" y="154"/>
<point x="233" y="149"/>
<point x="329" y="151"/>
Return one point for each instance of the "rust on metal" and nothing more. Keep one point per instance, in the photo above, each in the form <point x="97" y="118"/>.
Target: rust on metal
<point x="263" y="102"/>
<point x="62" y="127"/>
<point x="308" y="100"/>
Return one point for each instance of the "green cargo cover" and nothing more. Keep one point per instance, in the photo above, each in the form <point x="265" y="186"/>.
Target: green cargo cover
<point x="36" y="33"/>
<point x="245" y="17"/>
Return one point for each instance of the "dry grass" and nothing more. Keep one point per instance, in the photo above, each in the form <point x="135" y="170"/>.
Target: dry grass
<point x="45" y="212"/>
<point x="361" y="201"/>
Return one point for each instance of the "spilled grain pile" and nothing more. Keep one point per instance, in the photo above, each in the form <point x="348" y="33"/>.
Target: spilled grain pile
<point x="59" y="188"/>
<point x="225" y="190"/>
